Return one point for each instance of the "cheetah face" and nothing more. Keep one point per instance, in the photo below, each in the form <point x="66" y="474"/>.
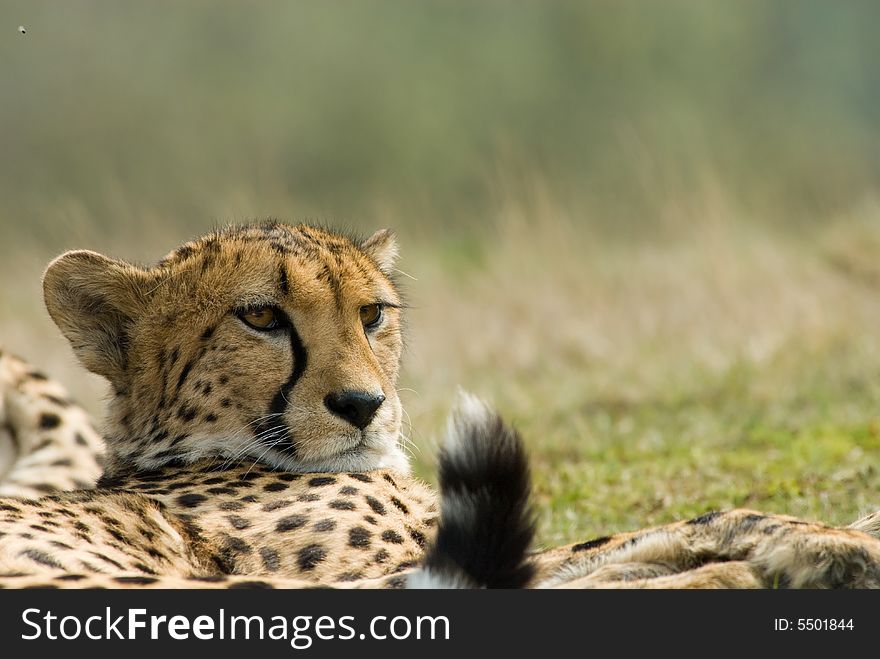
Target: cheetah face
<point x="266" y="343"/>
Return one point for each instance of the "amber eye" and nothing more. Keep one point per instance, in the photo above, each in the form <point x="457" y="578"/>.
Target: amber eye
<point x="371" y="314"/>
<point x="261" y="318"/>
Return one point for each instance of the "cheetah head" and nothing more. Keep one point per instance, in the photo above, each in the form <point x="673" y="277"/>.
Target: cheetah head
<point x="268" y="343"/>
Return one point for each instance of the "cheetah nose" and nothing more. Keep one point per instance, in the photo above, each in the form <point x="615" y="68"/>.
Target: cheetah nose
<point x="356" y="407"/>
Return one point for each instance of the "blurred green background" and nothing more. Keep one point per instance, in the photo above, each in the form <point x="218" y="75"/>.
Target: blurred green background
<point x="648" y="230"/>
<point x="206" y="109"/>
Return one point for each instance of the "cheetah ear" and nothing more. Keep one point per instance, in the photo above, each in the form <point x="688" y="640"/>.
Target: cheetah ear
<point x="382" y="248"/>
<point x="94" y="300"/>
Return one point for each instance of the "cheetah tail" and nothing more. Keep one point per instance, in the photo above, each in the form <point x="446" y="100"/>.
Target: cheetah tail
<point x="486" y="520"/>
<point x="869" y="524"/>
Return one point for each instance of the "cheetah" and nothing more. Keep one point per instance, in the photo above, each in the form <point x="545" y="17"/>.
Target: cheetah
<point x="47" y="442"/>
<point x="253" y="434"/>
<point x="254" y="424"/>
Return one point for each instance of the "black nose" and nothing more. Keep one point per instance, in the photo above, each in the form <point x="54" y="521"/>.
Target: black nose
<point x="356" y="407"/>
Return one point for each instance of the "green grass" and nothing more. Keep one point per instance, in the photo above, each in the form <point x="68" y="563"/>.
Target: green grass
<point x="656" y="462"/>
<point x="613" y="465"/>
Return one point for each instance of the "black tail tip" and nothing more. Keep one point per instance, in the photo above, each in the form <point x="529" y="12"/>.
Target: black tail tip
<point x="486" y="520"/>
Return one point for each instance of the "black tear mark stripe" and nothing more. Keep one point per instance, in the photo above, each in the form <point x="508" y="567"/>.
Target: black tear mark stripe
<point x="268" y="430"/>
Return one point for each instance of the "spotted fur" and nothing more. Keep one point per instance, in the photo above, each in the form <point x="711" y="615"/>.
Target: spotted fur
<point x="201" y="521"/>
<point x="47" y="442"/>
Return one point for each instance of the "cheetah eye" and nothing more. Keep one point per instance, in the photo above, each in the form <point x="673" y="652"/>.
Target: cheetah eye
<point x="261" y="318"/>
<point x="371" y="315"/>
